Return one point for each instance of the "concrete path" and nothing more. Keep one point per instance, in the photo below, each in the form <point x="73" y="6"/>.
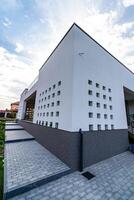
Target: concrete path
<point x="11" y="123"/>
<point x="27" y="165"/>
<point x="13" y="127"/>
<point x="17" y="136"/>
<point x="114" y="181"/>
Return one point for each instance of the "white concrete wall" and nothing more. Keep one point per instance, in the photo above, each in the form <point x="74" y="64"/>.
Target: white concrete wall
<point x="75" y="61"/>
<point x="58" y="68"/>
<point x="97" y="65"/>
<point x="22" y="105"/>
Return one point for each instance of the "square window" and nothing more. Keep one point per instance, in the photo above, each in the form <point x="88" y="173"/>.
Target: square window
<point x="56" y="125"/>
<point x="47" y="114"/>
<point x="40" y="114"/>
<point x="97" y="85"/>
<point x="46" y="124"/>
<point x="104" y="96"/>
<point x="105" y="106"/>
<point x="103" y="87"/>
<point x="58" y="103"/>
<point x="110" y="98"/>
<point x="50" y="89"/>
<point x="89" y="82"/>
<point x="42" y="93"/>
<point x="52" y="114"/>
<point x="111" y="116"/>
<point x="57" y="114"/>
<point x="39" y="101"/>
<point x="112" y="126"/>
<point x="45" y="98"/>
<point x="49" y="97"/>
<point x="43" y="114"/>
<point x="90" y="92"/>
<point x="52" y="104"/>
<point x="53" y="95"/>
<point x="105" y="116"/>
<point x="98" y="115"/>
<point x="42" y="99"/>
<point x="90" y="103"/>
<point x="48" y="105"/>
<point x="41" y="107"/>
<point x="58" y="93"/>
<point x="110" y="107"/>
<point x="59" y="83"/>
<point x="106" y="127"/>
<point x="97" y="94"/>
<point x="51" y="124"/>
<point x="54" y="86"/>
<point x="44" y="106"/>
<point x="90" y="127"/>
<point x="109" y="89"/>
<point x="99" y="127"/>
<point x="90" y="114"/>
<point x="98" y="105"/>
<point x="45" y="91"/>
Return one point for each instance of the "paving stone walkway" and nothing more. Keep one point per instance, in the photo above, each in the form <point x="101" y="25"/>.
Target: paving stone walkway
<point x="17" y="135"/>
<point x="114" y="181"/>
<point x="27" y="162"/>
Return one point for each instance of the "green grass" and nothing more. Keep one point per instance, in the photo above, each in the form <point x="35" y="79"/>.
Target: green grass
<point x="7" y="119"/>
<point x="1" y="177"/>
<point x="2" y="139"/>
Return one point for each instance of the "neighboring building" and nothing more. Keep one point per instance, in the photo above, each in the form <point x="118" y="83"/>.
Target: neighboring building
<point x="14" y="106"/>
<point x="81" y="85"/>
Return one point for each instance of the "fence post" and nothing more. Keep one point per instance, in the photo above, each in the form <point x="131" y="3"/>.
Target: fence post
<point x="81" y="150"/>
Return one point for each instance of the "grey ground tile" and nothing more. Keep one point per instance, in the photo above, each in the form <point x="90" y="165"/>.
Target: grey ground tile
<point x="13" y="127"/>
<point x="114" y="181"/>
<point x="11" y="123"/>
<point x="17" y="135"/>
<point x="27" y="162"/>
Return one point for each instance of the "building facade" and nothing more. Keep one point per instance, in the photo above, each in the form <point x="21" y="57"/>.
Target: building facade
<point x="80" y="86"/>
<point x="14" y="106"/>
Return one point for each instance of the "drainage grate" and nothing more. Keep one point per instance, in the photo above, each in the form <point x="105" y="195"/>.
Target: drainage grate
<point x="88" y="175"/>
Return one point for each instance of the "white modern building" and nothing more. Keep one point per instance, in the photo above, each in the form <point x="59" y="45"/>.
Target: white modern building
<point x="81" y="85"/>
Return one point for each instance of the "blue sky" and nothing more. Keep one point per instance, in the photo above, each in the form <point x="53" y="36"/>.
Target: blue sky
<point x="30" y="30"/>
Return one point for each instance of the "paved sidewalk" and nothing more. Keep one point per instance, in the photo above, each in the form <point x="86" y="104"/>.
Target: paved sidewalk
<point x="114" y="181"/>
<point x="17" y="135"/>
<point x="27" y="162"/>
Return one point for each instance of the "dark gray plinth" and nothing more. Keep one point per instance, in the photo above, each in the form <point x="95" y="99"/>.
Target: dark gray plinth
<point x="100" y="145"/>
<point x="64" y="144"/>
<point x="97" y="145"/>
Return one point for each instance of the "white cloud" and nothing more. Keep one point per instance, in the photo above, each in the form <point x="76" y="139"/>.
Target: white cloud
<point x="19" y="47"/>
<point x="55" y="17"/>
<point x="128" y="2"/>
<point x="14" y="76"/>
<point x="7" y="22"/>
